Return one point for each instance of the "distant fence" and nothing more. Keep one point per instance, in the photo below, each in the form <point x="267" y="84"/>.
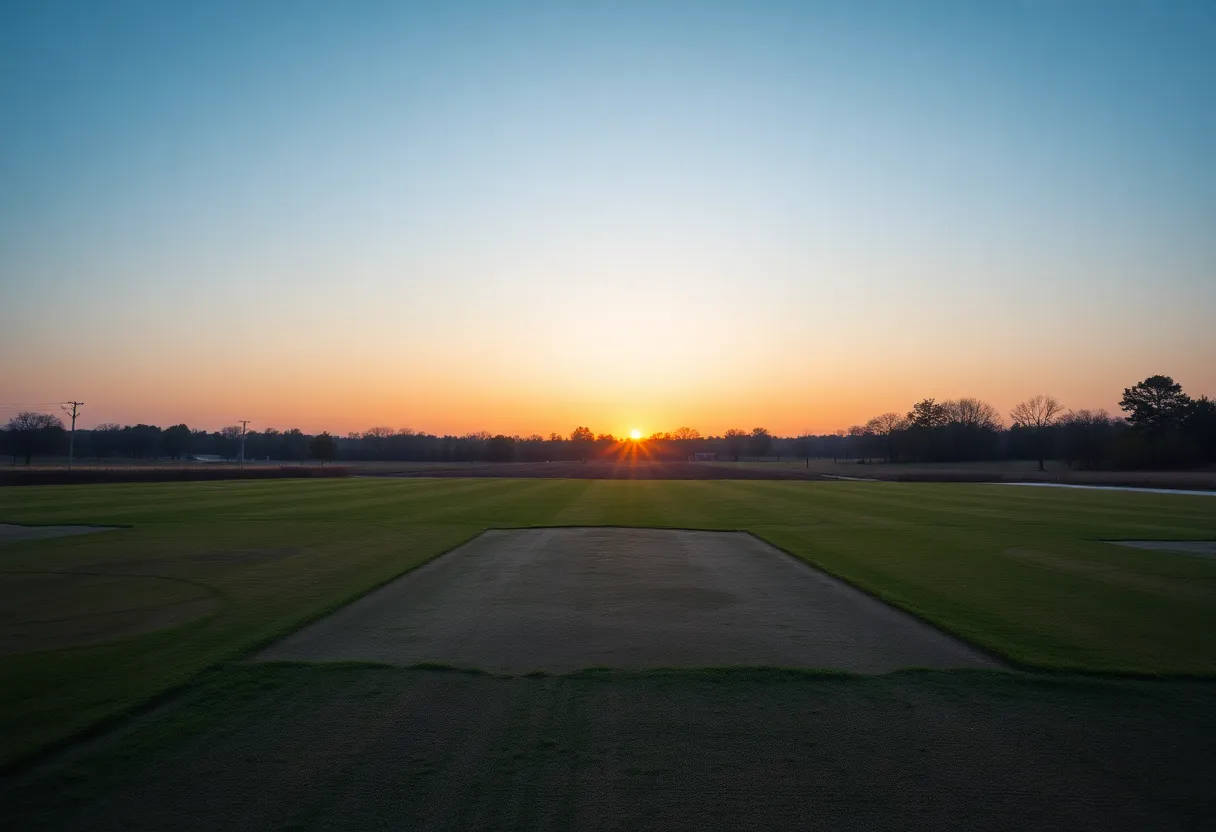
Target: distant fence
<point x="86" y="476"/>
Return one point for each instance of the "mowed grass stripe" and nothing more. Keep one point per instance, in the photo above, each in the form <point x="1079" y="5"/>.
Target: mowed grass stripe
<point x="358" y="747"/>
<point x="960" y="575"/>
<point x="1018" y="571"/>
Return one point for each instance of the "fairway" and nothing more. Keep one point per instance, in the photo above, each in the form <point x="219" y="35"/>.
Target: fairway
<point x="566" y="599"/>
<point x="271" y="746"/>
<point x="1023" y="574"/>
<point x="197" y="578"/>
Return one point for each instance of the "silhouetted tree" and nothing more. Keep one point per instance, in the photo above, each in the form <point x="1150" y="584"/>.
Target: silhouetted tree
<point x="927" y="413"/>
<point x="1086" y="437"/>
<point x="736" y="440"/>
<point x="500" y="448"/>
<point x="294" y="444"/>
<point x="760" y="442"/>
<point x="581" y="440"/>
<point x="886" y="427"/>
<point x="261" y="444"/>
<point x="141" y="441"/>
<point x="378" y="438"/>
<point x="972" y="413"/>
<point x="685" y="433"/>
<point x="33" y="433"/>
<point x="858" y="444"/>
<point x="1038" y="413"/>
<point x="323" y="448"/>
<point x="1156" y="404"/>
<point x="1200" y="425"/>
<point x="971" y="428"/>
<point x="105" y="439"/>
<point x="228" y="441"/>
<point x="803" y="448"/>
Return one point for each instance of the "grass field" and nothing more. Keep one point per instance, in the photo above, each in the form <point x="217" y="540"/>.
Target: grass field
<point x="1019" y="572"/>
<point x="341" y="746"/>
<point x="986" y="471"/>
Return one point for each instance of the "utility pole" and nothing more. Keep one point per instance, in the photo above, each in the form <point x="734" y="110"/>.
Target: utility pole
<point x="241" y="458"/>
<point x="72" y="436"/>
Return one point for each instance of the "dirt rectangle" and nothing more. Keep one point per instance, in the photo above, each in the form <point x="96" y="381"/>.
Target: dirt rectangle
<point x="563" y="599"/>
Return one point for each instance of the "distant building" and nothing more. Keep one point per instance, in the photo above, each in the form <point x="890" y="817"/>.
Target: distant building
<point x="704" y="457"/>
<point x="205" y="458"/>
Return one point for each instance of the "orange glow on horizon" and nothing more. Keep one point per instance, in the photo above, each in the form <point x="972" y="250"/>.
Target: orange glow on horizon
<point x="635" y="434"/>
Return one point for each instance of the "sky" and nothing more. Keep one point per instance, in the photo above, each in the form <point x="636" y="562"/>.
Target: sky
<point x="523" y="217"/>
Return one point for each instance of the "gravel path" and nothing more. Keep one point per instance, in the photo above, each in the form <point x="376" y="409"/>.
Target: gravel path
<point x="564" y="599"/>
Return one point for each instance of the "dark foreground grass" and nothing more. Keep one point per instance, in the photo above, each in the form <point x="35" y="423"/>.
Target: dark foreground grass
<point x="1020" y="572"/>
<point x="356" y="747"/>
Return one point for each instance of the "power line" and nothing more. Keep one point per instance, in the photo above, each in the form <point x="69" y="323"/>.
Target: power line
<point x="244" y="425"/>
<point x="72" y="440"/>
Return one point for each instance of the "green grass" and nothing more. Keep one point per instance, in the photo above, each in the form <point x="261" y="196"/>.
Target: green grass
<point x="1022" y="572"/>
<point x="358" y="746"/>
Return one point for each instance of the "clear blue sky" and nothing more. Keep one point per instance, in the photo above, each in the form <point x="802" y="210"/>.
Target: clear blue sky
<point x="518" y="216"/>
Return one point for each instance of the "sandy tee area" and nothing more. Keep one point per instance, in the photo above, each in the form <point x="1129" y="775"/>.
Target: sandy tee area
<point x="562" y="599"/>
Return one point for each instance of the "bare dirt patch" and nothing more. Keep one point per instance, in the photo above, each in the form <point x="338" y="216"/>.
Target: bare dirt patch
<point x="1198" y="548"/>
<point x="10" y="533"/>
<point x="570" y="598"/>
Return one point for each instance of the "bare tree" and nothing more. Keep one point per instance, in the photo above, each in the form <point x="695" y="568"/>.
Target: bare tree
<point x="377" y="439"/>
<point x="886" y="426"/>
<point x="1085" y="437"/>
<point x="32" y="433"/>
<point x="683" y="433"/>
<point x="972" y="413"/>
<point x="229" y="440"/>
<point x="1038" y="413"/>
<point x="857" y="442"/>
<point x="105" y="439"/>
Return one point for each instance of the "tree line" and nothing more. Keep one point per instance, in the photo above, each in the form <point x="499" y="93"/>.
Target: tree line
<point x="1163" y="427"/>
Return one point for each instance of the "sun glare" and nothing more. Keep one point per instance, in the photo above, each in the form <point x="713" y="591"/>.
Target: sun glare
<point x="635" y="434"/>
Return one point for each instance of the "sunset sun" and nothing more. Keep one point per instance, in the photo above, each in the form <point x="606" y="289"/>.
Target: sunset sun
<point x="635" y="434"/>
